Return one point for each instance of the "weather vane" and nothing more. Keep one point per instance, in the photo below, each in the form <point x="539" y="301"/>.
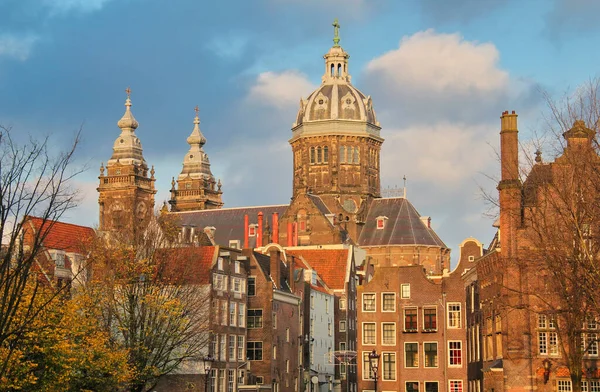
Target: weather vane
<point x="336" y="33"/>
<point x="128" y="91"/>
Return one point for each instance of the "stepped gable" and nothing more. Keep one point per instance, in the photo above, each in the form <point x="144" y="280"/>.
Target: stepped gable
<point x="330" y="264"/>
<point x="228" y="222"/>
<point x="402" y="227"/>
<point x="62" y="236"/>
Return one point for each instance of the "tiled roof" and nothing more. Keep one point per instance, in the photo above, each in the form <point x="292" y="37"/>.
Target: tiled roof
<point x="62" y="236"/>
<point x="403" y="225"/>
<point x="330" y="264"/>
<point x="264" y="261"/>
<point x="187" y="265"/>
<point x="229" y="222"/>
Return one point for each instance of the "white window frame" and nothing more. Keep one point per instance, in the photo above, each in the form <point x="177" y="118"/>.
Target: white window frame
<point x="405" y="291"/>
<point x="374" y="324"/>
<point x="383" y="343"/>
<point x="462" y="386"/>
<point x="374" y="296"/>
<point x="395" y="366"/>
<point x="383" y="302"/>
<point x="437" y="355"/>
<point x="450" y="324"/>
<point x="416" y="353"/>
<point x="462" y="357"/>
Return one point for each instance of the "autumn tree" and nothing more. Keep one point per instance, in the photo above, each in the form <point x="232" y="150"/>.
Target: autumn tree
<point x="33" y="181"/>
<point x="154" y="300"/>
<point x="556" y="237"/>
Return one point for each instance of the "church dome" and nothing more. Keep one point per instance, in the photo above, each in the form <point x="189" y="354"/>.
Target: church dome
<point x="336" y="98"/>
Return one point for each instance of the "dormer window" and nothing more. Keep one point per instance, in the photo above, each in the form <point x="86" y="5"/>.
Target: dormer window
<point x="59" y="258"/>
<point x="381" y="222"/>
<point x="252" y="230"/>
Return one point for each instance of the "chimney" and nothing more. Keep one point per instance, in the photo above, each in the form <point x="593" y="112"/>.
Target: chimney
<point x="246" y="228"/>
<point x="275" y="258"/>
<point x="275" y="228"/>
<point x="291" y="267"/>
<point x="510" y="186"/>
<point x="259" y="234"/>
<point x="509" y="146"/>
<point x="290" y="234"/>
<point x="295" y="233"/>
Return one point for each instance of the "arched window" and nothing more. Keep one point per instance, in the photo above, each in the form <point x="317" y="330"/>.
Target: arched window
<point x="356" y="155"/>
<point x="325" y="154"/>
<point x="319" y="155"/>
<point x="342" y="154"/>
<point x="349" y="154"/>
<point x="339" y="72"/>
<point x="332" y="70"/>
<point x="312" y="155"/>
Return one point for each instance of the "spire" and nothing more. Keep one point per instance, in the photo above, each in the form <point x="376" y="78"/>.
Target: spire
<point x="127" y="149"/>
<point x="128" y="122"/>
<point x="336" y="60"/>
<point x="196" y="137"/>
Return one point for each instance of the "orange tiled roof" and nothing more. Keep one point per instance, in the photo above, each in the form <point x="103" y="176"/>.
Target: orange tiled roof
<point x="190" y="265"/>
<point x="330" y="264"/>
<point x="62" y="236"/>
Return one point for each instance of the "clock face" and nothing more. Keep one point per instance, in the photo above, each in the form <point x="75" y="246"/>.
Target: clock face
<point x="140" y="210"/>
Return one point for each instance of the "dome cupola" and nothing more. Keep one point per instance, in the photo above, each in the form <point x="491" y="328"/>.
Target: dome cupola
<point x="127" y="148"/>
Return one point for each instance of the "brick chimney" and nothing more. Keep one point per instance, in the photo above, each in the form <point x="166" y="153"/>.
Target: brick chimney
<point x="291" y="267"/>
<point x="275" y="228"/>
<point x="259" y="234"/>
<point x="290" y="234"/>
<point x="510" y="184"/>
<point x="246" y="228"/>
<point x="275" y="258"/>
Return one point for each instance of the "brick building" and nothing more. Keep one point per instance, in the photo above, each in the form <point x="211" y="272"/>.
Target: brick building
<point x="415" y="321"/>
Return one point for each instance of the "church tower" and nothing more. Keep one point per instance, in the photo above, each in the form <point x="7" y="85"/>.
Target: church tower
<point x="126" y="192"/>
<point x="196" y="187"/>
<point x="336" y="142"/>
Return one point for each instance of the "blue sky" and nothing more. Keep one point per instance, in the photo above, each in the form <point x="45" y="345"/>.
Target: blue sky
<point x="440" y="73"/>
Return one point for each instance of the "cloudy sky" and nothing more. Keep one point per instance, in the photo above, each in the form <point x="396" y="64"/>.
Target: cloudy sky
<point x="440" y="73"/>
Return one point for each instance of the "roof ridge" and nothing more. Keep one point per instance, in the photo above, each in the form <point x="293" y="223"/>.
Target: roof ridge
<point x="59" y="222"/>
<point x="230" y="208"/>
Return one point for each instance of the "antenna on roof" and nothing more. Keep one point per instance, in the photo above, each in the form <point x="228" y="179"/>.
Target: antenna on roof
<point x="404" y="178"/>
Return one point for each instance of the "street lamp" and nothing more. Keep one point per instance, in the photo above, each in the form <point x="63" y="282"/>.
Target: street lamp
<point x="207" y="364"/>
<point x="547" y="365"/>
<point x="374" y="365"/>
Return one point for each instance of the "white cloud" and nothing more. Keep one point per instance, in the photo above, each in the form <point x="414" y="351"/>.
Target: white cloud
<point x="65" y="6"/>
<point x="438" y="63"/>
<point x="280" y="89"/>
<point x="17" y="47"/>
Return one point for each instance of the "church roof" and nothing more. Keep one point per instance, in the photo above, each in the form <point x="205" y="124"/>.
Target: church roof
<point x="229" y="222"/>
<point x="403" y="225"/>
<point x="318" y="202"/>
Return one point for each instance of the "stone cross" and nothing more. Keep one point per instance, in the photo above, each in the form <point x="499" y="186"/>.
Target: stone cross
<point x="336" y="33"/>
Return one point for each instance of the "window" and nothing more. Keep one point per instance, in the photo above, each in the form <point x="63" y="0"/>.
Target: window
<point x="388" y="302"/>
<point x="223" y="312"/>
<point x="388" y="333"/>
<point x="240" y="348"/>
<point x="251" y="290"/>
<point x="260" y="380"/>
<point x="342" y="303"/>
<point x="590" y="386"/>
<point x="342" y="154"/>
<point x="412" y="386"/>
<point x="274" y="352"/>
<point x="236" y="267"/>
<point x="455" y="353"/>
<point x="325" y="154"/>
<point x="431" y="355"/>
<point x="230" y="380"/>
<point x="564" y="386"/>
<point x="380" y="222"/>
<point x="547" y="336"/>
<point x="222" y="347"/>
<point x="342" y="346"/>
<point x="254" y="351"/>
<point x="287" y="365"/>
<point x="369" y="333"/>
<point x="59" y="258"/>
<point x="429" y="319"/>
<point x="231" y="350"/>
<point x="274" y="320"/>
<point x="367" y="373"/>
<point x="455" y="385"/>
<point x="411" y="355"/>
<point x="232" y="314"/>
<point x="237" y="285"/>
<point x="410" y="320"/>
<point x="220" y="263"/>
<point x="327" y="305"/>
<point x="287" y="335"/>
<point x="343" y="326"/>
<point x="252" y="230"/>
<point x="329" y="329"/>
<point x="219" y="282"/>
<point x="389" y="366"/>
<point x="453" y="315"/>
<point x="589" y="344"/>
<point x="312" y="155"/>
<point x="255" y="319"/>
<point x="368" y="302"/>
<point x="319" y="155"/>
<point x="405" y="291"/>
<point x="241" y="313"/>
<point x="431" y="386"/>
